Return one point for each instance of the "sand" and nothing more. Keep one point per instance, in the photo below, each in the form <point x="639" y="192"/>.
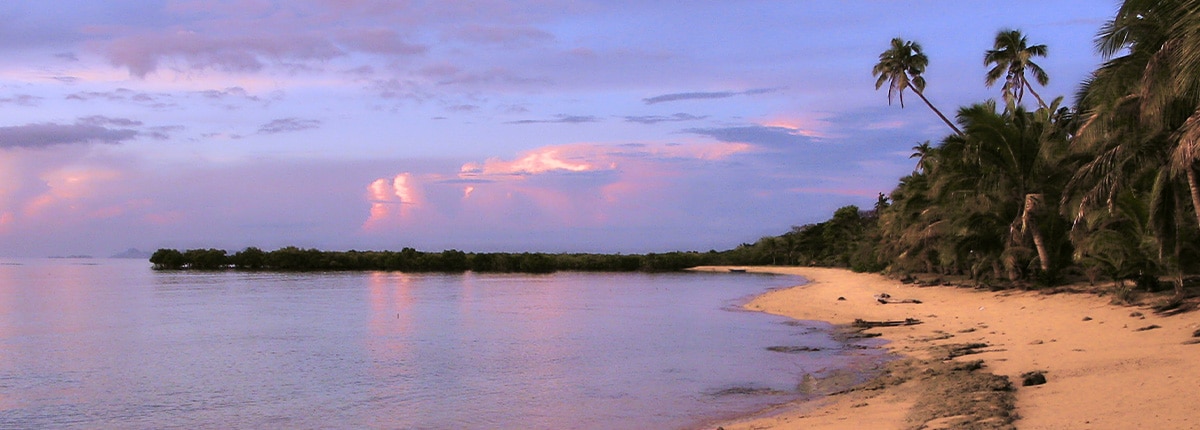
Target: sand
<point x="1106" y="366"/>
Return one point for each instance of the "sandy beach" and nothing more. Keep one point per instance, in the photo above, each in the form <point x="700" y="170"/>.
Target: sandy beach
<point x="1105" y="366"/>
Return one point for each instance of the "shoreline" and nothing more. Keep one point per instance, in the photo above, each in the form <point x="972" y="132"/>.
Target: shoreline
<point x="1105" y="366"/>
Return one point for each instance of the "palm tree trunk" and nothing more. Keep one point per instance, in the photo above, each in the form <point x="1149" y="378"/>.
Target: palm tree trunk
<point x="1033" y="203"/>
<point x="938" y="112"/>
<point x="1194" y="187"/>
<point x="1041" y="102"/>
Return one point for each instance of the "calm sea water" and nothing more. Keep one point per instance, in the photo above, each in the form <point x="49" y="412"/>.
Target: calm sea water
<point x="114" y="344"/>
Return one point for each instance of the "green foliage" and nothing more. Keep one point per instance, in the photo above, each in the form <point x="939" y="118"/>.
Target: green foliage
<point x="167" y="259"/>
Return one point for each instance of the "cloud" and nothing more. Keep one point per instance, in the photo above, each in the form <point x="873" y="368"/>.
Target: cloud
<point x="379" y="41"/>
<point x="585" y="183"/>
<point x="688" y="96"/>
<point x="490" y="34"/>
<point x="559" y="119"/>
<point x="217" y="49"/>
<point x="50" y="134"/>
<point x="237" y="92"/>
<point x="655" y="119"/>
<point x="104" y="120"/>
<point x="705" y="95"/>
<point x="759" y="135"/>
<point x="163" y="132"/>
<point x="286" y="125"/>
<point x="22" y="100"/>
<point x="533" y="162"/>
<point x="153" y="100"/>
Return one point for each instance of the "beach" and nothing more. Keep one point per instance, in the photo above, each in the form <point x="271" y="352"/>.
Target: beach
<point x="1105" y="366"/>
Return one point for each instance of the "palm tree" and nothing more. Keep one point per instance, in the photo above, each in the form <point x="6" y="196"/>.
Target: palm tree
<point x="901" y="66"/>
<point x="1143" y="120"/>
<point x="1016" y="155"/>
<point x="923" y="152"/>
<point x="1010" y="58"/>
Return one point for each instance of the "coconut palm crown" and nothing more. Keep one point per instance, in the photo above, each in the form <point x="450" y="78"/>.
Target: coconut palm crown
<point x="901" y="67"/>
<point x="1011" y="57"/>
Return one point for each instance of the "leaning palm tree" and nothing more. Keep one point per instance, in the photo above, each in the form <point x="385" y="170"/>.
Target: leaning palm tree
<point x="901" y="66"/>
<point x="1010" y="58"/>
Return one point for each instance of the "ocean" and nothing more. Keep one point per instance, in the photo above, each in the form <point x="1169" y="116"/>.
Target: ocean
<point x="108" y="343"/>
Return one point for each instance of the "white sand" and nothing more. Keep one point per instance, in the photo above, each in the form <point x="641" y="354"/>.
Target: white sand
<point x="1101" y="372"/>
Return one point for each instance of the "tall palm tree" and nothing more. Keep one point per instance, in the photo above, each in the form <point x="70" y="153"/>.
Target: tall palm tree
<point x="901" y="66"/>
<point x="1010" y="58"/>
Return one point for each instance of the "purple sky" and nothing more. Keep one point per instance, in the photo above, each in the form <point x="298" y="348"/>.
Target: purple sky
<point x="539" y="125"/>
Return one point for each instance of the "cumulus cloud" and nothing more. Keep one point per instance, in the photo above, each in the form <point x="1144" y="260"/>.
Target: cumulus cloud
<point x="560" y="184"/>
<point x="286" y="125"/>
<point x="533" y="162"/>
<point x="49" y="134"/>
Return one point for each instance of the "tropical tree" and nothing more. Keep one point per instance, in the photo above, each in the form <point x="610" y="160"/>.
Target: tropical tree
<point x="1010" y="57"/>
<point x="1143" y="122"/>
<point x="1019" y="155"/>
<point x="922" y="152"/>
<point x="901" y="67"/>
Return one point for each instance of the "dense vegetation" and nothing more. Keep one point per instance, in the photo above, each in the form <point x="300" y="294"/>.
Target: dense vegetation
<point x="411" y="260"/>
<point x="1108" y="188"/>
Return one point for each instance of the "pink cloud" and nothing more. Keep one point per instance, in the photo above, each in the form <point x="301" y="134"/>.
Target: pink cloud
<point x="804" y="126"/>
<point x="576" y="185"/>
<point x="391" y="201"/>
<point x="6" y="222"/>
<point x="534" y="162"/>
<point x="67" y="189"/>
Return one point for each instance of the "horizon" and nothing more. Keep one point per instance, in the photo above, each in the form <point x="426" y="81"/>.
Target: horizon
<point x="590" y="127"/>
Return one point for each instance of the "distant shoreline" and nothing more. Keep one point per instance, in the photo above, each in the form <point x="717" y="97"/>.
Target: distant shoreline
<point x="293" y="259"/>
<point x="1104" y="366"/>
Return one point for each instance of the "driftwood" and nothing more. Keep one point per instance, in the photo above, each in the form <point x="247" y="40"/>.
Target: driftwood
<point x="885" y="298"/>
<point x="861" y="323"/>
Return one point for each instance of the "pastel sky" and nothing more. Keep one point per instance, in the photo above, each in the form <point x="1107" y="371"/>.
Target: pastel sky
<point x="534" y="125"/>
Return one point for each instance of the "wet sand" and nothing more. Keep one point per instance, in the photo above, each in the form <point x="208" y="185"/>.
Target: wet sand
<point x="1105" y="366"/>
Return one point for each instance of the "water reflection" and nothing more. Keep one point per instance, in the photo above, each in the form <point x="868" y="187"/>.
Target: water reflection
<point x="118" y="345"/>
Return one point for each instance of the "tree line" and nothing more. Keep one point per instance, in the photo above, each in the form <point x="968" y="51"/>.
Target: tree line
<point x="410" y="260"/>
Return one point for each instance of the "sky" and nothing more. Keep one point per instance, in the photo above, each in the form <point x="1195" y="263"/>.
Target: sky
<point x="484" y="126"/>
